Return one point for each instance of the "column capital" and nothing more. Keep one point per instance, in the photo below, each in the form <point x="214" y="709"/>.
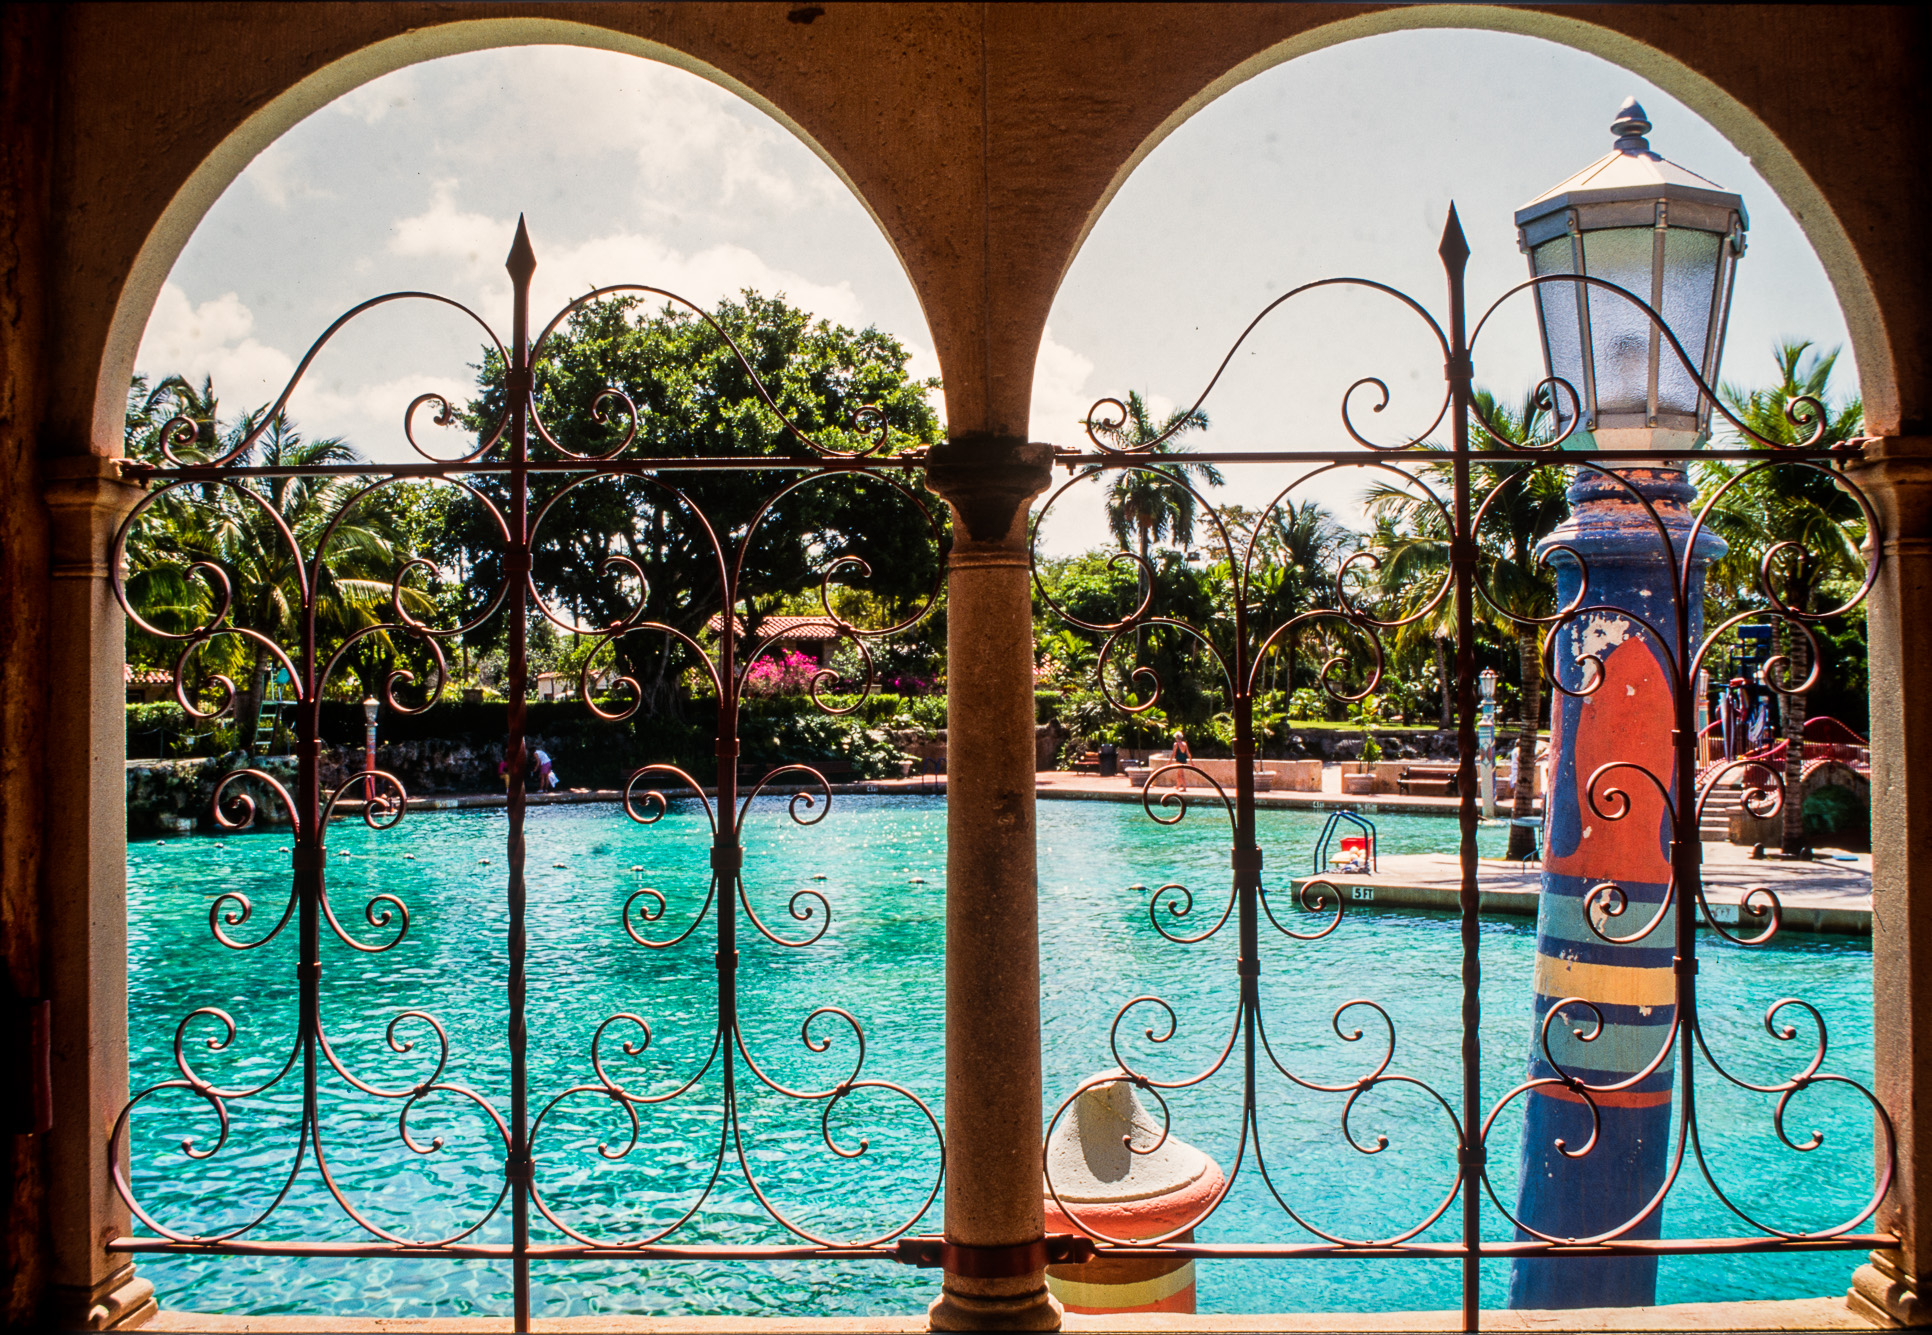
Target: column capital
<point x="1895" y="473"/>
<point x="988" y="480"/>
<point x="88" y="499"/>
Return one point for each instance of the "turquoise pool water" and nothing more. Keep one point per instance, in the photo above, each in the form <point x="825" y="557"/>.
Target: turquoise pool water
<point x="882" y="860"/>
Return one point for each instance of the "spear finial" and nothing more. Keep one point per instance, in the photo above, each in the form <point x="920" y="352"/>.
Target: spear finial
<point x="1455" y="247"/>
<point x="522" y="262"/>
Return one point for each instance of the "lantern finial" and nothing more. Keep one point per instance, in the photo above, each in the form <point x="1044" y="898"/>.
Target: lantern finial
<point x="1654" y="235"/>
<point x="1630" y="127"/>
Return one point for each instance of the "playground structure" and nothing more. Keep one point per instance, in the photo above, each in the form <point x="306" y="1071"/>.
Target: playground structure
<point x="1834" y="756"/>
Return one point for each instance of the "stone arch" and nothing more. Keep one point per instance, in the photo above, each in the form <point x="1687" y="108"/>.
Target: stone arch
<point x="1795" y="187"/>
<point x="197" y="193"/>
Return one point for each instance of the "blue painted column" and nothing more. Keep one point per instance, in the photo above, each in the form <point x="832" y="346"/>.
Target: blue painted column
<point x="1628" y="718"/>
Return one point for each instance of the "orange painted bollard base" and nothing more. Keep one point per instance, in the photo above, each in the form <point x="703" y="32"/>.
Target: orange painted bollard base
<point x="1108" y="1285"/>
<point x="1115" y="1173"/>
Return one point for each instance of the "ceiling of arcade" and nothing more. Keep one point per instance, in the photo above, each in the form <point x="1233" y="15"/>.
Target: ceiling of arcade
<point x="984" y="139"/>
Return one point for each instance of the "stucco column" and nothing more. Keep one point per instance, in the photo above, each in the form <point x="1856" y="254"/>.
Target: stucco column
<point x="1896" y="1287"/>
<point x="84" y="898"/>
<point x="995" y="1254"/>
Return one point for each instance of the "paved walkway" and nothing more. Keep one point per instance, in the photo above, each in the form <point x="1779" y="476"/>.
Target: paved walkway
<point x="1833" y="894"/>
<point x="1063" y="785"/>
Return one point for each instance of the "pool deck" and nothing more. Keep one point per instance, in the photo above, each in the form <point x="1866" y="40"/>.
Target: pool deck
<point x="1048" y="785"/>
<point x="1833" y="894"/>
<point x="1821" y="896"/>
<point x="1060" y="785"/>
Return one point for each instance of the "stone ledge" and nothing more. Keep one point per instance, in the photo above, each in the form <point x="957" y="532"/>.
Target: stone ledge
<point x="1789" y="1314"/>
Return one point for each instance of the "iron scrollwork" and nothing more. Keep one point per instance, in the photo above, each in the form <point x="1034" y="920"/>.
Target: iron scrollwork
<point x="1612" y="790"/>
<point x="494" y="478"/>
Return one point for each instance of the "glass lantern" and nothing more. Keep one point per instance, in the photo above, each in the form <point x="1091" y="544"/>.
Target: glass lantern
<point x="1664" y="234"/>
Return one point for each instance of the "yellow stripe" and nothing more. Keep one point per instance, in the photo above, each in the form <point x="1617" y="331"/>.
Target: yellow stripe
<point x="1611" y="984"/>
<point x="1122" y="1297"/>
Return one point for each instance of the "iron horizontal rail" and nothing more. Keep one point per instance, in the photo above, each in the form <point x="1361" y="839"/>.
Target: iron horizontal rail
<point x="1315" y="1251"/>
<point x="502" y="1251"/>
<point x="1205" y="1251"/>
<point x="1359" y="454"/>
<point x="141" y="472"/>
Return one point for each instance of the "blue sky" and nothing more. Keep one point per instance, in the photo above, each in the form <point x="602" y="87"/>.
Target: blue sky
<point x="1342" y="162"/>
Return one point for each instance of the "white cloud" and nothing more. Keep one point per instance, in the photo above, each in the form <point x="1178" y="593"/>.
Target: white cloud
<point x="692" y="142"/>
<point x="372" y="101"/>
<point x="477" y="244"/>
<point x="213" y="339"/>
<point x="276" y="176"/>
<point x="370" y="417"/>
<point x="446" y="231"/>
<point x="1061" y="398"/>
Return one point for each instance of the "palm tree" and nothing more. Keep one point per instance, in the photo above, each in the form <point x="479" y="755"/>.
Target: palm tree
<point x="1409" y="570"/>
<point x="1525" y="504"/>
<point x="1788" y="505"/>
<point x="236" y="534"/>
<point x="1297" y="547"/>
<point x="1152" y="504"/>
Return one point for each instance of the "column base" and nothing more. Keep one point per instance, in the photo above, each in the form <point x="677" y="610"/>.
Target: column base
<point x="1886" y="1296"/>
<point x="1035" y="1309"/>
<point x="122" y="1301"/>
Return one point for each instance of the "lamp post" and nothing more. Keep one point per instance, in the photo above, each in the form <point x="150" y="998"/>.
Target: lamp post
<point x="1486" y="740"/>
<point x="1672" y="239"/>
<point x="369" y="708"/>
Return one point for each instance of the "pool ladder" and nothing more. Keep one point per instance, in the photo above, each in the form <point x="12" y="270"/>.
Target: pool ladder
<point x="1334" y="823"/>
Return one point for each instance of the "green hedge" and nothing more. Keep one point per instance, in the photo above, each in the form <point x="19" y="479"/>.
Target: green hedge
<point x="590" y="751"/>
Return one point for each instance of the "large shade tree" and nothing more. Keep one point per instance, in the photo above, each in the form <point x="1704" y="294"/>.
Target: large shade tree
<point x="694" y="399"/>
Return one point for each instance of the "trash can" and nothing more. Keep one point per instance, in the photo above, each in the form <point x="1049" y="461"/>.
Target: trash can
<point x="1109" y="760"/>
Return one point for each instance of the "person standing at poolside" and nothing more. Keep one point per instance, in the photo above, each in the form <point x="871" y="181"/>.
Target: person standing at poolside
<point x="1181" y="757"/>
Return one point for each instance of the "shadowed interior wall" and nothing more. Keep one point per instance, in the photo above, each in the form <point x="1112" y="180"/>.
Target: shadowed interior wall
<point x="27" y="112"/>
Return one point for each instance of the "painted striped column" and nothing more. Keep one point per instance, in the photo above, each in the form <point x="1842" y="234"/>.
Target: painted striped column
<point x="1111" y="1190"/>
<point x="1628" y="718"/>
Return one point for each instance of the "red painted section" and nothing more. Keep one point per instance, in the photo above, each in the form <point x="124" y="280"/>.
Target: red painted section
<point x="1628" y="718"/>
<point x="1611" y="1098"/>
<point x="1148" y="1217"/>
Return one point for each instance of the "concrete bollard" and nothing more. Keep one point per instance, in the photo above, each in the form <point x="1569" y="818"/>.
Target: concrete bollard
<point x="1113" y="1191"/>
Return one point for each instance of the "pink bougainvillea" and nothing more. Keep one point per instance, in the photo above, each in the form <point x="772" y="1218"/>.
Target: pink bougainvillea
<point x="775" y="675"/>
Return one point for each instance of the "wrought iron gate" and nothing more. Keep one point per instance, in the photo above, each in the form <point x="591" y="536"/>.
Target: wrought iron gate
<point x="509" y="456"/>
<point x="515" y="450"/>
<point x="1235" y="654"/>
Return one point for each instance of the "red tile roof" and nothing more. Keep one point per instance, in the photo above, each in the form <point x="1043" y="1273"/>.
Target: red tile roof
<point x="783" y="628"/>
